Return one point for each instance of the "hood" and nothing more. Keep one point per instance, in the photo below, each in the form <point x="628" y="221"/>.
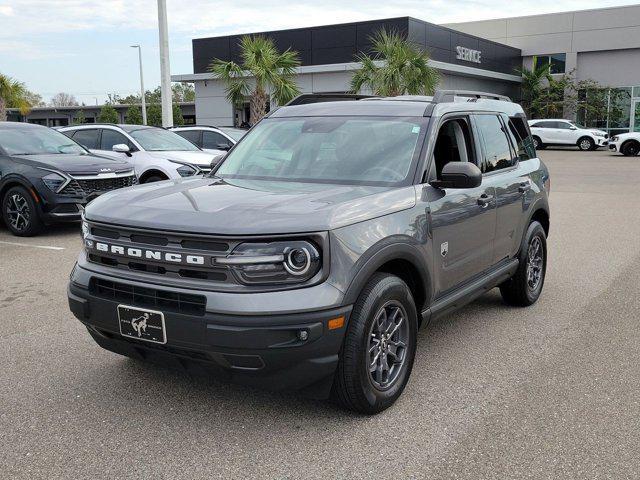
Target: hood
<point x="241" y="207"/>
<point x="76" y="164"/>
<point x="194" y="157"/>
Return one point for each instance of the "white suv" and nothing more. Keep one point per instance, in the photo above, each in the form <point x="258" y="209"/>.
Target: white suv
<point x="155" y="153"/>
<point x="550" y="132"/>
<point x="215" y="140"/>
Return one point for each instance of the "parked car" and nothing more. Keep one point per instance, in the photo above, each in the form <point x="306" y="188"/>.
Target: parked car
<point x="155" y="153"/>
<point x="309" y="258"/>
<point x="627" y="144"/>
<point x="215" y="140"/>
<point x="45" y="177"/>
<point x="554" y="132"/>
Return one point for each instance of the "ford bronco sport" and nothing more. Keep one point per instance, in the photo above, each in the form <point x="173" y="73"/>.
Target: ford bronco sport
<point x="309" y="258"/>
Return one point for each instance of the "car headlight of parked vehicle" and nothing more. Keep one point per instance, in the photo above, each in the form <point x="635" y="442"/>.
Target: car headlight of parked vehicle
<point x="599" y="134"/>
<point x="274" y="262"/>
<point x="187" y="170"/>
<point x="54" y="182"/>
<point x="614" y="139"/>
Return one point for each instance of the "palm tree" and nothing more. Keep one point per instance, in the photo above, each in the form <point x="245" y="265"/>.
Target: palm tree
<point x="397" y="67"/>
<point x="13" y="94"/>
<point x="273" y="75"/>
<point x="533" y="84"/>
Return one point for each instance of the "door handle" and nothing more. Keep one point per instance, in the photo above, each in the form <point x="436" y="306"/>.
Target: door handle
<point x="524" y="187"/>
<point x="484" y="200"/>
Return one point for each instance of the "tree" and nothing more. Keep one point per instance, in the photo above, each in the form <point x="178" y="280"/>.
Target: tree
<point x="397" y="67"/>
<point x="80" y="118"/>
<point x="272" y="75"/>
<point x="133" y="115"/>
<point x="34" y="99"/>
<point x="178" y="119"/>
<point x="154" y="115"/>
<point x="13" y="94"/>
<point x="183" y="92"/>
<point x="534" y="81"/>
<point x="108" y="114"/>
<point x="63" y="99"/>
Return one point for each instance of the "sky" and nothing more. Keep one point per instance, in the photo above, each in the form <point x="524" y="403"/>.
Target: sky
<point x="82" y="47"/>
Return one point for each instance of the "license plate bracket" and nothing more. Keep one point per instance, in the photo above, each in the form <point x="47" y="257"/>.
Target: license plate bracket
<point x="142" y="324"/>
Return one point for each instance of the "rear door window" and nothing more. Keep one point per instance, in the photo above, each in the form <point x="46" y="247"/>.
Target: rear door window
<point x="88" y="138"/>
<point x="497" y="152"/>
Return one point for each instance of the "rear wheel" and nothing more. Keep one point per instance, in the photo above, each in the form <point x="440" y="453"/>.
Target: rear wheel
<point x="379" y="347"/>
<point x="524" y="288"/>
<point x="586" y="143"/>
<point x="630" y="149"/>
<point x="20" y="213"/>
<point x="537" y="143"/>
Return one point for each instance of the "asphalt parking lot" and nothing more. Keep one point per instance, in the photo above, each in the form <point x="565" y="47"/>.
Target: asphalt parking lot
<point x="551" y="391"/>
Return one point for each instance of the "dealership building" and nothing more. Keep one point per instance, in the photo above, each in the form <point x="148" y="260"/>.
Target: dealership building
<point x="601" y="45"/>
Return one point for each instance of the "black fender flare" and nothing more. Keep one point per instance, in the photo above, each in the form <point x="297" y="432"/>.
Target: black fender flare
<point x="381" y="253"/>
<point x="13" y="178"/>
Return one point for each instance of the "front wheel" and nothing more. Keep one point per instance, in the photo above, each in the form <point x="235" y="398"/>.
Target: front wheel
<point x="20" y="213"/>
<point x="630" y="149"/>
<point x="379" y="347"/>
<point x="525" y="287"/>
<point x="586" y="143"/>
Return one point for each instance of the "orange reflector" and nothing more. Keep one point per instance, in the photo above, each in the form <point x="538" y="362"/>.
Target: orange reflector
<point x="34" y="195"/>
<point x="336" y="323"/>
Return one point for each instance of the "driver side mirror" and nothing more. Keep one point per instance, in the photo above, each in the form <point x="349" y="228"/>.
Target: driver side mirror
<point x="121" y="148"/>
<point x="459" y="175"/>
<point x="573" y="128"/>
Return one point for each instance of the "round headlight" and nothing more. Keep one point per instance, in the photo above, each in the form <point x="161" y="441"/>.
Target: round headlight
<point x="297" y="261"/>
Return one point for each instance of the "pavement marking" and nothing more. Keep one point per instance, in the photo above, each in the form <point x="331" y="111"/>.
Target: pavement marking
<point x="44" y="247"/>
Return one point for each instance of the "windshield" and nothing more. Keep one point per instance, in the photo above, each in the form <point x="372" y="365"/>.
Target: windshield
<point x="347" y="150"/>
<point x="34" y="141"/>
<point x="159" y="140"/>
<point x="235" y="133"/>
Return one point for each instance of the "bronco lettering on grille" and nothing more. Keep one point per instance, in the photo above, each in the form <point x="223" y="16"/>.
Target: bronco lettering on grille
<point x="157" y="255"/>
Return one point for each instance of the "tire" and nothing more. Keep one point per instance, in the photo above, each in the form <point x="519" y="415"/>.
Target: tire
<point x="585" y="144"/>
<point x="20" y="213"/>
<point x="154" y="178"/>
<point x="630" y="149"/>
<point x="537" y="143"/>
<point x="355" y="387"/>
<point x="525" y="287"/>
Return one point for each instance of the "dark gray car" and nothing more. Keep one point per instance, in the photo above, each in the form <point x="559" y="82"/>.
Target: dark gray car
<point x="330" y="233"/>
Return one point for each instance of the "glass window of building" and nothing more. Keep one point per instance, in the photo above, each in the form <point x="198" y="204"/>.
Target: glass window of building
<point x="557" y="62"/>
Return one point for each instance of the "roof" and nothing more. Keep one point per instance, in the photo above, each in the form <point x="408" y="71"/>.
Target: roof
<point x="402" y="106"/>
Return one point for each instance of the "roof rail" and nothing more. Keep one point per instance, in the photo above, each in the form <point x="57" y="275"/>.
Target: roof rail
<point x="449" y="95"/>
<point x="442" y="96"/>
<point x="306" y="98"/>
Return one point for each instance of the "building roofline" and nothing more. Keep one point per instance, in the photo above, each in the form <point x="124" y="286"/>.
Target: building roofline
<point x="517" y="17"/>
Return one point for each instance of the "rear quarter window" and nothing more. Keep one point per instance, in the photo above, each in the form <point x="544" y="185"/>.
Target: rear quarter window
<point x="521" y="138"/>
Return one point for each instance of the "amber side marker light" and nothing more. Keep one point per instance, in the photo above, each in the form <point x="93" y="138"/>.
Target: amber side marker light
<point x="336" y="323"/>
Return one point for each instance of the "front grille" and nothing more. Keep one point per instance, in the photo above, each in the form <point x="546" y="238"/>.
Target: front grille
<point x="185" y="245"/>
<point x="148" y="297"/>
<point x="86" y="187"/>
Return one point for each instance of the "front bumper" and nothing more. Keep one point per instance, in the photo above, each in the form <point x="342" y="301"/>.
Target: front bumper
<point x="601" y="141"/>
<point x="614" y="147"/>
<point x="263" y="350"/>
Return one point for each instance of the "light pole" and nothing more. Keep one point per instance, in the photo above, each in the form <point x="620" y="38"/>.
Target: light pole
<point x="144" y="103"/>
<point x="165" y="75"/>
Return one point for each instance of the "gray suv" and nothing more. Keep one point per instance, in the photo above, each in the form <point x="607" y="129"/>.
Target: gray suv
<point x="310" y="257"/>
